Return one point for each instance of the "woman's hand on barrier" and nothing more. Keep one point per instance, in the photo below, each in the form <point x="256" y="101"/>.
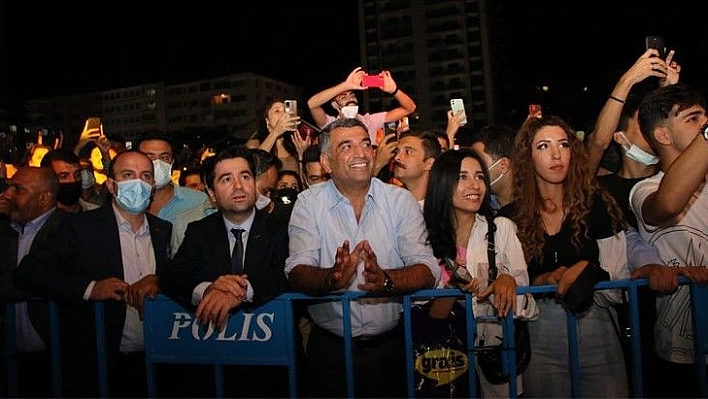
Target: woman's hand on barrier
<point x="504" y="290"/>
<point x="570" y="275"/>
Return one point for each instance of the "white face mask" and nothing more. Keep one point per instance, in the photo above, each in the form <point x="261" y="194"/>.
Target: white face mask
<point x="498" y="177"/>
<point x="637" y="154"/>
<point x="163" y="172"/>
<point x="262" y="201"/>
<point x="350" y="111"/>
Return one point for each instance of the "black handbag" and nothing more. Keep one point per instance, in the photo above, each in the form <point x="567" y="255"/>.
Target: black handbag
<point x="489" y="357"/>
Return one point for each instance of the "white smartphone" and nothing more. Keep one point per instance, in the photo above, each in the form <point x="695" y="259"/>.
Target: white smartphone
<point x="458" y="105"/>
<point x="291" y="106"/>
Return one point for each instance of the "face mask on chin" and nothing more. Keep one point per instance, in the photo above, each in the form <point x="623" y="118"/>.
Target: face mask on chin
<point x="637" y="154"/>
<point x="350" y="111"/>
<point x="163" y="172"/>
<point x="133" y="195"/>
<point x="498" y="177"/>
<point x="262" y="201"/>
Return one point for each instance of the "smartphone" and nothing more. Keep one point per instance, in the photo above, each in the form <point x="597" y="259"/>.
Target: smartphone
<point x="291" y="107"/>
<point x="128" y="145"/>
<point x="656" y="42"/>
<point x="458" y="272"/>
<point x="391" y="127"/>
<point x="458" y="105"/>
<point x="93" y="123"/>
<point x="372" y="81"/>
<point x="535" y="111"/>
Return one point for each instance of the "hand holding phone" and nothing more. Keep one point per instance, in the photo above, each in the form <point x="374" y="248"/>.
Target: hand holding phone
<point x="459" y="273"/>
<point x="290" y="107"/>
<point x="458" y="105"/>
<point x="656" y="42"/>
<point x="372" y="81"/>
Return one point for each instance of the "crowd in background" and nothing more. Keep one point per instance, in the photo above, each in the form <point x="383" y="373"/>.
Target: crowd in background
<point x="370" y="202"/>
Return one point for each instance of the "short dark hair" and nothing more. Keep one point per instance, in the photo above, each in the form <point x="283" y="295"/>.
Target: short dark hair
<point x="311" y="154"/>
<point x="111" y="166"/>
<point x="498" y="140"/>
<point x="60" y="154"/>
<point x="234" y="151"/>
<point x="263" y="160"/>
<point x="429" y="138"/>
<point x="154" y="135"/>
<point x="189" y="171"/>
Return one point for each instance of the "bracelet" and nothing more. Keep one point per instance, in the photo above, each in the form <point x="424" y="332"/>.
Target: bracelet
<point x="617" y="99"/>
<point x="393" y="93"/>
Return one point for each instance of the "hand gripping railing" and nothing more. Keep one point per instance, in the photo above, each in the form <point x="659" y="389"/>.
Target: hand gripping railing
<point x="266" y="336"/>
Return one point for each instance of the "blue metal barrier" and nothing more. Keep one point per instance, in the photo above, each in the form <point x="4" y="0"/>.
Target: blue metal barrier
<point x="265" y="336"/>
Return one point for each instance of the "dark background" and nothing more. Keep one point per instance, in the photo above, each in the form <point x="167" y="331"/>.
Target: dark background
<point x="56" y="48"/>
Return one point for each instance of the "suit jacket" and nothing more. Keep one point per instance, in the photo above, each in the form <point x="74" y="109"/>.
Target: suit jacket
<point x="8" y="262"/>
<point x="87" y="249"/>
<point x="204" y="256"/>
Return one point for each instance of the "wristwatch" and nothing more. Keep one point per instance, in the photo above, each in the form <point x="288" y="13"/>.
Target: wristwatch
<point x="704" y="131"/>
<point x="387" y="283"/>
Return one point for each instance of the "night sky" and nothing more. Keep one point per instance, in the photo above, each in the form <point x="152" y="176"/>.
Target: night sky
<point x="51" y="49"/>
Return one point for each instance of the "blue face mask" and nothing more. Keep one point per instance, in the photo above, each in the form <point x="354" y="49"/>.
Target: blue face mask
<point x="133" y="195"/>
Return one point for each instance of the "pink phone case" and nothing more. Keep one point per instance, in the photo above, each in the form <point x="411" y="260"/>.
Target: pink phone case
<point x="372" y="81"/>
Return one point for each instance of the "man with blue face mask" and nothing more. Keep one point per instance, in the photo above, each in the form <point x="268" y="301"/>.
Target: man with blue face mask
<point x="170" y="199"/>
<point x="110" y="254"/>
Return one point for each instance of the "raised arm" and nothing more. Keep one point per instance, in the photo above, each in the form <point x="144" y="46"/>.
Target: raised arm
<point x="315" y="103"/>
<point x="648" y="64"/>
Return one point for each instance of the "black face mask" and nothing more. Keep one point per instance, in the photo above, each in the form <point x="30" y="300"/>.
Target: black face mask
<point x="69" y="193"/>
<point x="286" y="195"/>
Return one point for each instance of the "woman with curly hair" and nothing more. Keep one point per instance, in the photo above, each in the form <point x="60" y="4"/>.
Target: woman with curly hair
<point x="571" y="232"/>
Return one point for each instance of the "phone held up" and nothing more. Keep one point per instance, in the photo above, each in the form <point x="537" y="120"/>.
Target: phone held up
<point x="372" y="81"/>
<point x="290" y="107"/>
<point x="458" y="105"/>
<point x="656" y="42"/>
<point x="535" y="111"/>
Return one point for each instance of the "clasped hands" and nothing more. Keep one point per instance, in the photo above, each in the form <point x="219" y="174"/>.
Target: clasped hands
<point x="115" y="289"/>
<point x="340" y="276"/>
<point x="226" y="293"/>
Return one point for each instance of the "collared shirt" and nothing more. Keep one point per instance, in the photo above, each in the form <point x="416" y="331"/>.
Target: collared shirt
<point x="373" y="123"/>
<point x="198" y="292"/>
<point x="179" y="226"/>
<point x="27" y="338"/>
<point x="184" y="198"/>
<point x="139" y="261"/>
<point x="322" y="219"/>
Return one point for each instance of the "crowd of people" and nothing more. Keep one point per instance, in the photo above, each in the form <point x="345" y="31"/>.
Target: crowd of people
<point x="348" y="206"/>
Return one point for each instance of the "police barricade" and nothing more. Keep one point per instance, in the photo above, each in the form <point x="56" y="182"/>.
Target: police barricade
<point x="265" y="336"/>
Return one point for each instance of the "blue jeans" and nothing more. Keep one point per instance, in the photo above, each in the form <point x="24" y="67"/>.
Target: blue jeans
<point x="602" y="367"/>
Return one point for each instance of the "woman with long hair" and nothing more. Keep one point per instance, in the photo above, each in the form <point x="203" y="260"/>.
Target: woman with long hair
<point x="566" y="222"/>
<point x="277" y="133"/>
<point x="459" y="219"/>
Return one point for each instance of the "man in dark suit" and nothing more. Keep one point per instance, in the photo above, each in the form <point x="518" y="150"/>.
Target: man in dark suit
<point x="110" y="254"/>
<point x="202" y="272"/>
<point x="29" y="218"/>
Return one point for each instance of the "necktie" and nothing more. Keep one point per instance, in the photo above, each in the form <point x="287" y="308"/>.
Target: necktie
<point x="237" y="253"/>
